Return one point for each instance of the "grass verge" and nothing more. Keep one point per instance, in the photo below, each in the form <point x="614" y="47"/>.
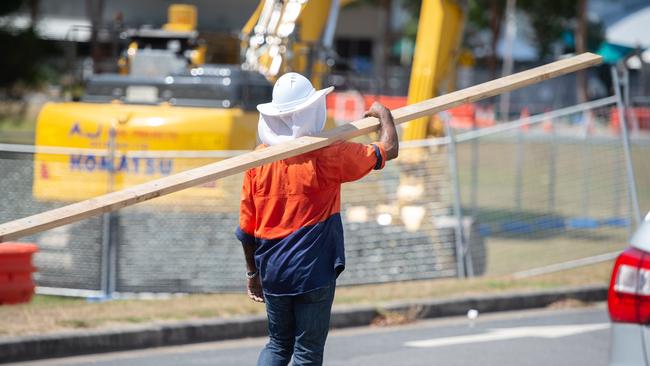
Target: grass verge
<point x="17" y="131"/>
<point x="46" y="314"/>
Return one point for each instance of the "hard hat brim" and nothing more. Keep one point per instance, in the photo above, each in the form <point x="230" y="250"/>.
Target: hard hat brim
<point x="271" y="109"/>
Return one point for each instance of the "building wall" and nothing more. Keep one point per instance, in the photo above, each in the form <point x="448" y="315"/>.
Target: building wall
<point x="359" y="21"/>
<point x="213" y="14"/>
<point x="359" y="24"/>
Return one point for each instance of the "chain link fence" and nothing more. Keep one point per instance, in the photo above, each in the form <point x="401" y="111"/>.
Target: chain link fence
<point x="551" y="193"/>
<point x="71" y="256"/>
<point x="543" y="193"/>
<point x="185" y="242"/>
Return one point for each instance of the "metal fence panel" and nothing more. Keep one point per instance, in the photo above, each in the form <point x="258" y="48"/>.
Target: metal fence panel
<point x="548" y="193"/>
<point x="188" y="245"/>
<point x="69" y="256"/>
<point x="542" y="194"/>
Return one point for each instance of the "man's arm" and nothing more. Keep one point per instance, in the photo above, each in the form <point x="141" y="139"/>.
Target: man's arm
<point x="354" y="160"/>
<point x="245" y="233"/>
<point x="387" y="131"/>
<point x="254" y="285"/>
<point x="249" y="255"/>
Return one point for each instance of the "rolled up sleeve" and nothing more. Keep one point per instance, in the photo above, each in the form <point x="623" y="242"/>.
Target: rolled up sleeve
<point x="357" y="160"/>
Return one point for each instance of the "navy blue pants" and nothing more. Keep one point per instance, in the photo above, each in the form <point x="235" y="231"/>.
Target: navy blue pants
<point x="298" y="326"/>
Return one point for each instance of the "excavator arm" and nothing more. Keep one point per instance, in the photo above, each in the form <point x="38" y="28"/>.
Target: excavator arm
<point x="289" y="35"/>
<point x="294" y="34"/>
<point x="436" y="48"/>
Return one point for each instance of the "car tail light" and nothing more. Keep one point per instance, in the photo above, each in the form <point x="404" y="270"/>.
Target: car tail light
<point x="629" y="289"/>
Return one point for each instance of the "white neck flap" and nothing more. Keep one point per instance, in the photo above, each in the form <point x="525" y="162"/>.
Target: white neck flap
<point x="273" y="130"/>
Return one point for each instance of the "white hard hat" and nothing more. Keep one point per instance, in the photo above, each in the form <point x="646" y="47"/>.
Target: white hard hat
<point x="292" y="92"/>
<point x="296" y="110"/>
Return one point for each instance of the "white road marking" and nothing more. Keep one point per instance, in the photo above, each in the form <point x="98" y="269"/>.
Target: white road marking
<point x="555" y="331"/>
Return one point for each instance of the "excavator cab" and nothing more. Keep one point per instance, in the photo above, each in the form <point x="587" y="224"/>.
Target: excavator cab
<point x="164" y="98"/>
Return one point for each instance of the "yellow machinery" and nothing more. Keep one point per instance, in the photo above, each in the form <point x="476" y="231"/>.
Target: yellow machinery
<point x="436" y="49"/>
<point x="292" y="35"/>
<point x="433" y="71"/>
<point x="182" y="18"/>
<point x="165" y="98"/>
<point x="89" y="173"/>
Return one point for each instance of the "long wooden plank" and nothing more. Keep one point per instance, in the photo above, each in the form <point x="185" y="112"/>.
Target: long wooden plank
<point x="163" y="186"/>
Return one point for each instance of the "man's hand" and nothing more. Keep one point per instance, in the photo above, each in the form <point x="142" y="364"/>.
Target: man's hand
<point x="253" y="285"/>
<point x="255" y="289"/>
<point x="387" y="131"/>
<point x="376" y="110"/>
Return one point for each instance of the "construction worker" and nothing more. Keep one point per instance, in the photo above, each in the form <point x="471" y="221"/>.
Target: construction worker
<point x="290" y="222"/>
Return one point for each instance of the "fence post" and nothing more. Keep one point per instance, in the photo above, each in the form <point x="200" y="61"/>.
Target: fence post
<point x="631" y="182"/>
<point x="519" y="166"/>
<point x="552" y="176"/>
<point x="464" y="270"/>
<point x="626" y="101"/>
<point x="109" y="224"/>
<point x="585" y="158"/>
<point x="474" y="171"/>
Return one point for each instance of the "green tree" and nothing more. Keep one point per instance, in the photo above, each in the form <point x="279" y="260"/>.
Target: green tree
<point x="581" y="46"/>
<point x="549" y="18"/>
<point x="21" y="63"/>
<point x="9" y="6"/>
<point x="487" y="14"/>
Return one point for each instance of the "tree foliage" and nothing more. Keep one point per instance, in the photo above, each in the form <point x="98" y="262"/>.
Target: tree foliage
<point x="21" y="64"/>
<point x="23" y="58"/>
<point x="9" y="6"/>
<point x="549" y="18"/>
<point x="479" y="12"/>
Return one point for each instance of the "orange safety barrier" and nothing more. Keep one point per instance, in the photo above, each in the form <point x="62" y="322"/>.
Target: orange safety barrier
<point x="642" y="116"/>
<point x="348" y="106"/>
<point x="16" y="284"/>
<point x="547" y="125"/>
<point x="524" y="116"/>
<point x="466" y="115"/>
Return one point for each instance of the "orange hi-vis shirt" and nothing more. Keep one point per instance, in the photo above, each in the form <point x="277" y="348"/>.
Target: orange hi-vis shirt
<point x="290" y="210"/>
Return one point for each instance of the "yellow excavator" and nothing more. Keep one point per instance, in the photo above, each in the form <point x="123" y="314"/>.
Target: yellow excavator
<point x="166" y="98"/>
<point x="163" y="98"/>
<point x="294" y="35"/>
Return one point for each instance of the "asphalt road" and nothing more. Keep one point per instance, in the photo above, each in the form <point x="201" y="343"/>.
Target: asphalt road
<point x="578" y="336"/>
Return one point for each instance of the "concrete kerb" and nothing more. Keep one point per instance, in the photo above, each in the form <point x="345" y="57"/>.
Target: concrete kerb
<point x="497" y="302"/>
<point x="157" y="335"/>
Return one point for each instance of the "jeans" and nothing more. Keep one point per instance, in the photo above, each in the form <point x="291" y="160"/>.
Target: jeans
<point x="298" y="325"/>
